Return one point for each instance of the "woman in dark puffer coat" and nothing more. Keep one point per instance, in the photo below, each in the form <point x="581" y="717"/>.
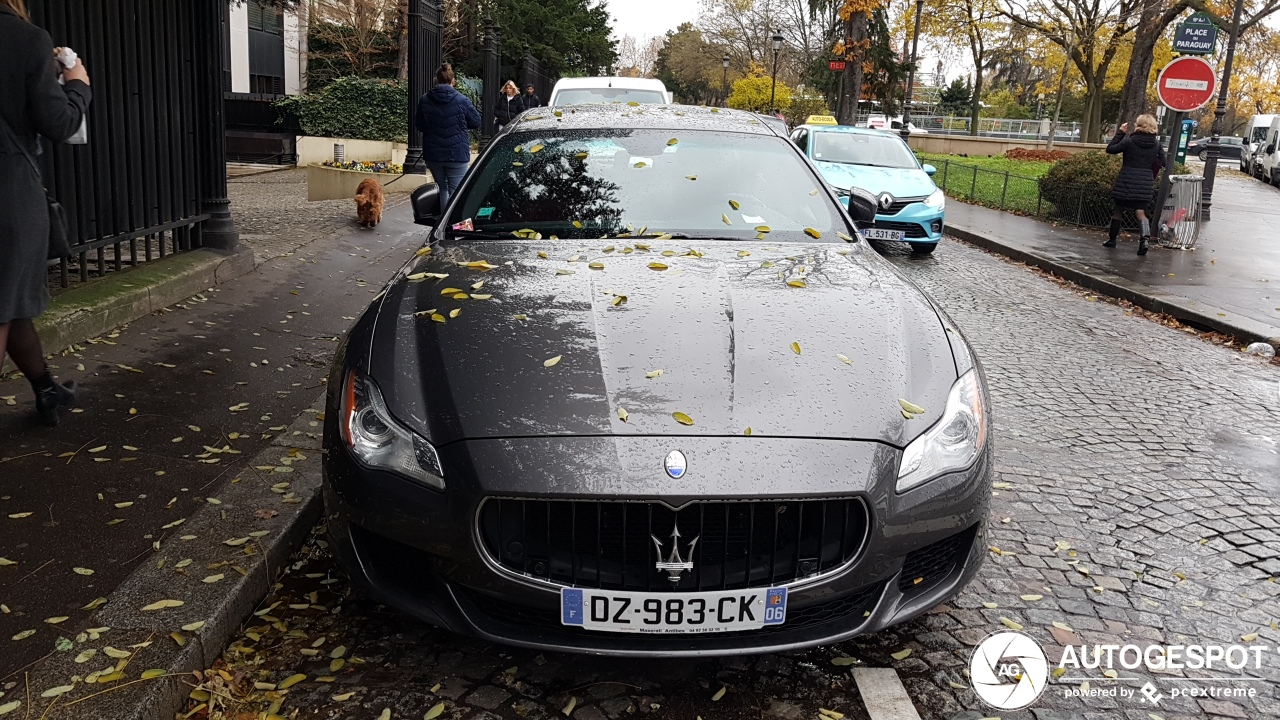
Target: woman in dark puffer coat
<point x="444" y="116"/>
<point x="1143" y="161"/>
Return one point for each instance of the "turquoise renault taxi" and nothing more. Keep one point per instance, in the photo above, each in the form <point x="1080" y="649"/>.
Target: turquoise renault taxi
<point x="910" y="206"/>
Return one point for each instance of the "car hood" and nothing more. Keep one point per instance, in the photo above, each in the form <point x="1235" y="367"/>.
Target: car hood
<point x="736" y="345"/>
<point x="898" y="182"/>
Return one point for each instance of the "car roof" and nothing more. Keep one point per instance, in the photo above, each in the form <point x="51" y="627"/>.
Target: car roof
<point x="664" y="117"/>
<point x="624" y="83"/>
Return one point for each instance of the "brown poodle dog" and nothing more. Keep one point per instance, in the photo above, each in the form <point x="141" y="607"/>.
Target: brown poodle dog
<point x="369" y="203"/>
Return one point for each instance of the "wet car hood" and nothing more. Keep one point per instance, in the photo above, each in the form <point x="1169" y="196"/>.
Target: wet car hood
<point x="898" y="182"/>
<point x="720" y="327"/>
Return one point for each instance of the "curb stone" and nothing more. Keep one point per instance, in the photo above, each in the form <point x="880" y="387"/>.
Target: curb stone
<point x="1146" y="297"/>
<point x="98" y="307"/>
<point x="222" y="606"/>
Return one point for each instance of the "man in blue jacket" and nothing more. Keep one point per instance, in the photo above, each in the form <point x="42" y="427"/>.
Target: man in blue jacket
<point x="444" y="117"/>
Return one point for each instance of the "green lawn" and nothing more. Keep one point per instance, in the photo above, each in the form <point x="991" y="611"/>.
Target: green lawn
<point x="992" y="181"/>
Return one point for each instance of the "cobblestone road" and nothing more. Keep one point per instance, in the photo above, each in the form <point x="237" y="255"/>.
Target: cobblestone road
<point x="1136" y="502"/>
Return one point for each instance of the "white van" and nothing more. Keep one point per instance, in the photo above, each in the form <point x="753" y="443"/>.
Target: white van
<point x="1257" y="131"/>
<point x="590" y="90"/>
<point x="1266" y="161"/>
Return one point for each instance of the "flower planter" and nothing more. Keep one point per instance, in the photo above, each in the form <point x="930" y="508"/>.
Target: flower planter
<point x="326" y="183"/>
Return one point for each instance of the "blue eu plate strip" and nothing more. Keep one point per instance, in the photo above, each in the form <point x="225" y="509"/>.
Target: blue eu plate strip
<point x="571" y="606"/>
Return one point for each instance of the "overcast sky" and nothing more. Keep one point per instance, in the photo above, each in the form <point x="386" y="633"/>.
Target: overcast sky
<point x="650" y="18"/>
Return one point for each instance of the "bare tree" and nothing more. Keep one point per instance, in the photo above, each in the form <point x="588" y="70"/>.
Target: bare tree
<point x="353" y="33"/>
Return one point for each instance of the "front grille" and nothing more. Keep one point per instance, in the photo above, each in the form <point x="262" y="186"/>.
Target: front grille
<point x="898" y="205"/>
<point x="851" y="609"/>
<point x="910" y="229"/>
<point x="611" y="544"/>
<point x="931" y="564"/>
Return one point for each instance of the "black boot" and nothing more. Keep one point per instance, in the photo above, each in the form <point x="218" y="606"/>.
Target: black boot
<point x="1142" y="245"/>
<point x="1112" y="232"/>
<point x="50" y="396"/>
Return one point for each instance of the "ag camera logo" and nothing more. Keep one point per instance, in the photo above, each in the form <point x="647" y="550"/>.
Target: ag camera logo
<point x="1009" y="671"/>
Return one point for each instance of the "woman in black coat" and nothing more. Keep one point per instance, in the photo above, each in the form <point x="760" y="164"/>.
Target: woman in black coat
<point x="1143" y="159"/>
<point x="509" y="105"/>
<point x="31" y="104"/>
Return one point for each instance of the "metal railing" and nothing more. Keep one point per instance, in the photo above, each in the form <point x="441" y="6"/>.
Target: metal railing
<point x="991" y="127"/>
<point x="1087" y="206"/>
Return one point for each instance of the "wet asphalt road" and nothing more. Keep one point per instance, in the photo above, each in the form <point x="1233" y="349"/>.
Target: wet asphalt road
<point x="224" y="370"/>
<point x="1135" y="503"/>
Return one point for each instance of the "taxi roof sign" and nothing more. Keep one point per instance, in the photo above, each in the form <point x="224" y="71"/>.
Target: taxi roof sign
<point x="821" y="120"/>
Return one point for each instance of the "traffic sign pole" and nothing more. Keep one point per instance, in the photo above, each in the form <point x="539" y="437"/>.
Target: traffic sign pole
<point x="1184" y="85"/>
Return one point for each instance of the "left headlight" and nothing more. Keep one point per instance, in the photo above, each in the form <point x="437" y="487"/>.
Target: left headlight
<point x="954" y="442"/>
<point x="937" y="199"/>
<point x="377" y="440"/>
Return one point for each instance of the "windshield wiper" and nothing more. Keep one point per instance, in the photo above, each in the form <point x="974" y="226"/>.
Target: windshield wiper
<point x="482" y="234"/>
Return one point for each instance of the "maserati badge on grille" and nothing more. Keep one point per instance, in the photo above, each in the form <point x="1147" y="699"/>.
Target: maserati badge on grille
<point x="675" y="464"/>
<point x="674" y="564"/>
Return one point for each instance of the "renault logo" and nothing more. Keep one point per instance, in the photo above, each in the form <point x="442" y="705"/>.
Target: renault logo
<point x="675" y="464"/>
<point x="674" y="565"/>
<point x="886" y="200"/>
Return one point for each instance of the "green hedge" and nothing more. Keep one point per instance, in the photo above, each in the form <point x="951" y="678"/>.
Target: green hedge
<point x="353" y="108"/>
<point x="1079" y="187"/>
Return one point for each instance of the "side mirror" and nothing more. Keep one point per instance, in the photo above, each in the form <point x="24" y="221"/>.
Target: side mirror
<point x="931" y="170"/>
<point x="1270" y="149"/>
<point x="426" y="204"/>
<point x="860" y="203"/>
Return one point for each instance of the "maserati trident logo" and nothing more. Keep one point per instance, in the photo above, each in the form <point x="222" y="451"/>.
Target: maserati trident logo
<point x="674" y="565"/>
<point x="886" y="200"/>
<point x="675" y="464"/>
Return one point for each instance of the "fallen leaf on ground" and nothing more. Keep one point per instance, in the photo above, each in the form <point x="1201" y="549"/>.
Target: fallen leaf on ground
<point x="719" y="694"/>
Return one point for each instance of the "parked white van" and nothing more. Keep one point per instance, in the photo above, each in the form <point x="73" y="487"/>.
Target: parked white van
<point x="590" y="90"/>
<point x="1254" y="134"/>
<point x="1266" y="162"/>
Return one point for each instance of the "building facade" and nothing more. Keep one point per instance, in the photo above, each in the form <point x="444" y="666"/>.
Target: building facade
<point x="265" y="61"/>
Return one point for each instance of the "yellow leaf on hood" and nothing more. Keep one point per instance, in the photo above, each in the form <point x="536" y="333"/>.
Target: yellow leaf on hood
<point x="551" y="362"/>
<point x="81" y="571"/>
<point x="795" y="348"/>
<point x="438" y="317"/>
<point x="734" y="204"/>
<point x="657" y="266"/>
<point x="682" y="418"/>
<point x="623" y="414"/>
<point x="812" y="233"/>
<point x="844" y="359"/>
<point x="654" y="373"/>
<point x="725" y="219"/>
<point x="743" y="253"/>
<point x="747" y="431"/>
<point x="910" y="407"/>
<point x="455" y="312"/>
<point x="719" y="694"/>
<point x="596" y="265"/>
<point x="535" y="148"/>
<point x="796" y="283"/>
<point x="672" y="141"/>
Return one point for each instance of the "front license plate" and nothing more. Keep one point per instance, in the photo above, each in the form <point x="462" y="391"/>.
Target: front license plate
<point x="880" y="234"/>
<point x="673" y="613"/>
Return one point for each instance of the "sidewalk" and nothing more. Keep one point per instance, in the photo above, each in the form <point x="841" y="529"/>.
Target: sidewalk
<point x="1230" y="283"/>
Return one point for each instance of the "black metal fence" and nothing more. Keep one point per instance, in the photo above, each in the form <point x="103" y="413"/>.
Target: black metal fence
<point x="133" y="193"/>
<point x="1079" y="205"/>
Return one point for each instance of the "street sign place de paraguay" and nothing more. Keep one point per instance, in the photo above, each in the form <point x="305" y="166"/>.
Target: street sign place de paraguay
<point x="1195" y="36"/>
<point x="1186" y="84"/>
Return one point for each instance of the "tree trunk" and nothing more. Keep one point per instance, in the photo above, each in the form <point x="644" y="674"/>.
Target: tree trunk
<point x="402" y="21"/>
<point x="855" y="39"/>
<point x="1133" y="96"/>
<point x="975" y="108"/>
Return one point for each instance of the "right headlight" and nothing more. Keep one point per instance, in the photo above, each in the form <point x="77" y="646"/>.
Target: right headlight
<point x="937" y="199"/>
<point x="954" y="442"/>
<point x="377" y="440"/>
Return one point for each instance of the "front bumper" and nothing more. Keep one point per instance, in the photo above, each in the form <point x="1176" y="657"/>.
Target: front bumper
<point x="419" y="550"/>
<point x="918" y="222"/>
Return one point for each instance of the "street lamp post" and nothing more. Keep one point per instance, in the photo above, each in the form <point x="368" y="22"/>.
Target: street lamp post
<point x="911" y="77"/>
<point x="1215" y="146"/>
<point x="773" y="90"/>
<point x="725" y="61"/>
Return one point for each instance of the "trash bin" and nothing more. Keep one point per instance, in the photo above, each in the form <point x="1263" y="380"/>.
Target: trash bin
<point x="1180" y="217"/>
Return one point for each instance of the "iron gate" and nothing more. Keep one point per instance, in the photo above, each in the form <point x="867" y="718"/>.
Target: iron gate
<point x="134" y="191"/>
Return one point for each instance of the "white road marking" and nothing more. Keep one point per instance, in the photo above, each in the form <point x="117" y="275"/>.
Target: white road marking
<point x="883" y="694"/>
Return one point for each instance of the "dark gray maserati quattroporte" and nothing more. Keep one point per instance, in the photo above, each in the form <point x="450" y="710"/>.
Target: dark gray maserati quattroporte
<point x="646" y="391"/>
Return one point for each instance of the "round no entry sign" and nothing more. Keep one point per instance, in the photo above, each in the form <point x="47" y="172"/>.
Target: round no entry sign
<point x="1186" y="84"/>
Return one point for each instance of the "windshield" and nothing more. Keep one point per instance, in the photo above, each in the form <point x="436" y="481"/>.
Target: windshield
<point x="609" y="182"/>
<point x="588" y="96"/>
<point x="1259" y="134"/>
<point x="862" y="149"/>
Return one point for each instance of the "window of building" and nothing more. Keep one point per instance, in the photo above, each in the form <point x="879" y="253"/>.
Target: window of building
<point x="265" y="19"/>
